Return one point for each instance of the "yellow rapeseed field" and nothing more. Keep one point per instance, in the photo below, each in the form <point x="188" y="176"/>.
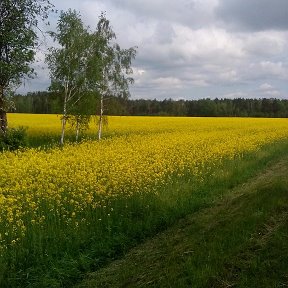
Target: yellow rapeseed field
<point x="148" y="152"/>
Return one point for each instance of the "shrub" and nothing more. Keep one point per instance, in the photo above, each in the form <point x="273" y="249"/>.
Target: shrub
<point x="13" y="139"/>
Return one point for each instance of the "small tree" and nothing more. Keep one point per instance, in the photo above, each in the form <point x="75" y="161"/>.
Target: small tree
<point x="18" y="20"/>
<point x="68" y="63"/>
<point x="108" y="66"/>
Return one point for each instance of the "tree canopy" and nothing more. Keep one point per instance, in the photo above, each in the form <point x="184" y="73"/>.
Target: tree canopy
<point x="67" y="63"/>
<point x="109" y="66"/>
<point x="18" y="39"/>
<point x="48" y="102"/>
<point x="87" y="62"/>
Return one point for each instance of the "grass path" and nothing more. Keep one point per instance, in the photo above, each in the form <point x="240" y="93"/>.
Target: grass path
<point x="240" y="241"/>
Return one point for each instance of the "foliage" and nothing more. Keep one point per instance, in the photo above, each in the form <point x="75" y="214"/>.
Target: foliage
<point x="67" y="64"/>
<point x="46" y="102"/>
<point x="13" y="139"/>
<point x="108" y="66"/>
<point x="18" y="20"/>
<point x="207" y="107"/>
<point x="61" y="207"/>
<point x="80" y="115"/>
<point x="86" y="62"/>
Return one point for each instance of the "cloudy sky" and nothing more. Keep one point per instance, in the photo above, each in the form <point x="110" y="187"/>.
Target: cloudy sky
<point x="190" y="49"/>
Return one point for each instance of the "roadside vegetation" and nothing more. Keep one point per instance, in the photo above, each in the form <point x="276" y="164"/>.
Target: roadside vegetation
<point x="66" y="211"/>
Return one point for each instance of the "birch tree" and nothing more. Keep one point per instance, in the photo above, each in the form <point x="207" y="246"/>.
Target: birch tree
<point x="108" y="66"/>
<point x="18" y="39"/>
<point x="67" y="63"/>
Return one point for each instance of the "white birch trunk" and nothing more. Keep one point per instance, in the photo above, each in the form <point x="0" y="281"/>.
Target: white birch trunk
<point x="100" y="118"/>
<point x="77" y="129"/>
<point x="63" y="123"/>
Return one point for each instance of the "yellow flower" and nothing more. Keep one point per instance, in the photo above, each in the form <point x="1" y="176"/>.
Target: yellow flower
<point x="144" y="154"/>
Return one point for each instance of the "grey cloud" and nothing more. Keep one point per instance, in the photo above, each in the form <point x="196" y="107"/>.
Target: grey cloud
<point x="254" y="15"/>
<point x="192" y="13"/>
<point x="164" y="33"/>
<point x="185" y="51"/>
<point x="265" y="45"/>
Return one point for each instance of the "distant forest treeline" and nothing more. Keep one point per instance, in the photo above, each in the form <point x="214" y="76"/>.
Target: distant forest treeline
<point x="50" y="103"/>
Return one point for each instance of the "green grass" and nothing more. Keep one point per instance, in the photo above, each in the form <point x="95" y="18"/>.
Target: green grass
<point x="237" y="240"/>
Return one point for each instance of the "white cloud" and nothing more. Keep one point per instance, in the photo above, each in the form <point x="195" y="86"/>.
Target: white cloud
<point x="238" y="94"/>
<point x="273" y="93"/>
<point x="269" y="90"/>
<point x="263" y="44"/>
<point x="167" y="82"/>
<point x="274" y="68"/>
<point x="265" y="86"/>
